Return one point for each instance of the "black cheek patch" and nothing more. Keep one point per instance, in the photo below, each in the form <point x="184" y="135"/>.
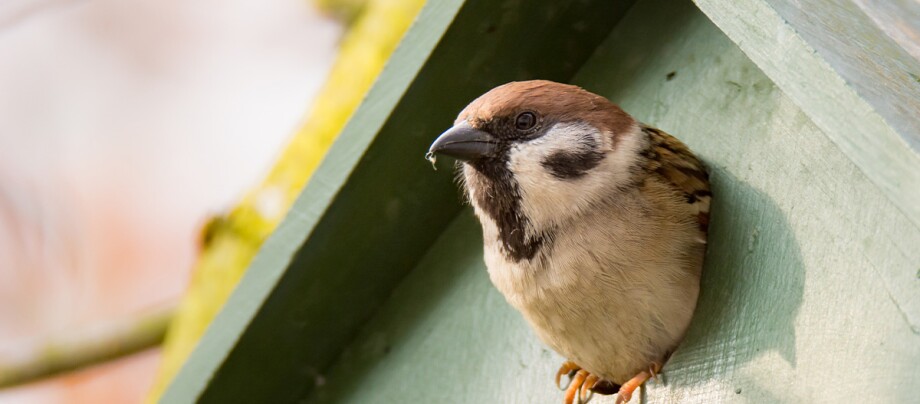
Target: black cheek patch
<point x="568" y="165"/>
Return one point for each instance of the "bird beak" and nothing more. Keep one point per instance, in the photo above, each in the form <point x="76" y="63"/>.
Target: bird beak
<point x="464" y="143"/>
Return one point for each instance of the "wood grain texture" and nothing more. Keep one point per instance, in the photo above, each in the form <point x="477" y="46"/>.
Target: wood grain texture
<point x="374" y="206"/>
<point x="899" y="19"/>
<point x="851" y="80"/>
<point x="810" y="291"/>
<point x="445" y="336"/>
<point x="869" y="60"/>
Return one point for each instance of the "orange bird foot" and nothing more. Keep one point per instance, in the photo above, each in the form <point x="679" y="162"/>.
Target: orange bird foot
<point x="582" y="384"/>
<point x="631" y="385"/>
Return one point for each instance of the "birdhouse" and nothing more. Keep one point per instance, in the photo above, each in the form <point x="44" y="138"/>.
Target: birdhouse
<point x="807" y="114"/>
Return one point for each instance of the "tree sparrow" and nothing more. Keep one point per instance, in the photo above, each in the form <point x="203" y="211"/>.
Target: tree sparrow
<point x="594" y="226"/>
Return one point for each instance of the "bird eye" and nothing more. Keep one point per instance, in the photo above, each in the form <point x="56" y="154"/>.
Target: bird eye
<point x="525" y="121"/>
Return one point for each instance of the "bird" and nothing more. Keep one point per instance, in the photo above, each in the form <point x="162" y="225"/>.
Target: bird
<point x="594" y="227"/>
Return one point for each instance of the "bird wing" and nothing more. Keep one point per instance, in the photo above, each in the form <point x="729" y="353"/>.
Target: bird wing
<point x="676" y="164"/>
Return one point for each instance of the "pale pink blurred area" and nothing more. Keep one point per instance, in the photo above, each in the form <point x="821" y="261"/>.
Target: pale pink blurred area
<point x="123" y="125"/>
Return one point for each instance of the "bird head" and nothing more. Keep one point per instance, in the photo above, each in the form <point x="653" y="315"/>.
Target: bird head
<point x="537" y="153"/>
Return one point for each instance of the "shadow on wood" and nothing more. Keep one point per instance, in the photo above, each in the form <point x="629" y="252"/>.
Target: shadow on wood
<point x="751" y="289"/>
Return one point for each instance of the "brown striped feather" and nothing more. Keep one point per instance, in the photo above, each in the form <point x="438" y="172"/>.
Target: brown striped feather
<point x="674" y="162"/>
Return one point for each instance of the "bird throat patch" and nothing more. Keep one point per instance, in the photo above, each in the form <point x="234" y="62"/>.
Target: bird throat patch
<point x="498" y="195"/>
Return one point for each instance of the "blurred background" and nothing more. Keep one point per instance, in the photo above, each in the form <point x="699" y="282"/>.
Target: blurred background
<point x="146" y="150"/>
<point x="124" y="125"/>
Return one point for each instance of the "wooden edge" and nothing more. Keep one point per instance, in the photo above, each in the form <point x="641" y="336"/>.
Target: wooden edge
<point x="374" y="206"/>
<point x="824" y="95"/>
<point x="277" y="252"/>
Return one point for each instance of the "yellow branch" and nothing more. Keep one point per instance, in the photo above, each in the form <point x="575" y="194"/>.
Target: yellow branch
<point x="80" y="348"/>
<point x="230" y="242"/>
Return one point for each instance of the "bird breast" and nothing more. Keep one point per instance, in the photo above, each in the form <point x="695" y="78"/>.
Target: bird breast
<point x="613" y="290"/>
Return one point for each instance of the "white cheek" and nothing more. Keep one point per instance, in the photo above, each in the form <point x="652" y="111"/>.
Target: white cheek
<point x="525" y="159"/>
<point x="546" y="199"/>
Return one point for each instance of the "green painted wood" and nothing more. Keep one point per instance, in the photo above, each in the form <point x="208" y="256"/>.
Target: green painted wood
<point x="374" y="205"/>
<point x="811" y="282"/>
<point x="871" y="62"/>
<point x="859" y="89"/>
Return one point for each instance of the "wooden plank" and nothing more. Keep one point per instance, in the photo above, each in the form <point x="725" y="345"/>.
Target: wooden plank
<point x="898" y="19"/>
<point x="445" y="336"/>
<point x="374" y="205"/>
<point x="811" y="259"/>
<point x="870" y="61"/>
<point x="848" y="77"/>
<point x="810" y="292"/>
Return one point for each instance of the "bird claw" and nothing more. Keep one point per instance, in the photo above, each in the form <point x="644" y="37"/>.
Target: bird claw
<point x="581" y="383"/>
<point x="654" y="369"/>
<point x="586" y="392"/>
<point x="627" y="389"/>
<point x="568" y="368"/>
<point x="575" y="387"/>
